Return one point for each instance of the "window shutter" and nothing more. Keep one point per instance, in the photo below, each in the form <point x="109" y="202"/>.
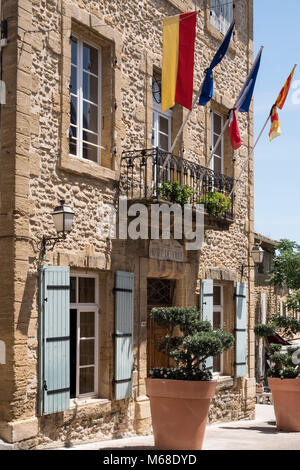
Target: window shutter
<point x="124" y="308"/>
<point x="241" y="330"/>
<point x="263" y="308"/>
<point x="263" y="320"/>
<point x="227" y="15"/>
<point x="206" y="299"/>
<point x="54" y="339"/>
<point x="214" y="13"/>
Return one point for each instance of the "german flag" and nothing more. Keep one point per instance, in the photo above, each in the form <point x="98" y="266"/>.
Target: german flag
<point x="179" y="33"/>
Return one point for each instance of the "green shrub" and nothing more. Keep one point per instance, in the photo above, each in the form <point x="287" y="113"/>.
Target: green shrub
<point x="282" y="364"/>
<point x="216" y="203"/>
<point x="263" y="331"/>
<point x="188" y="341"/>
<point x="174" y="192"/>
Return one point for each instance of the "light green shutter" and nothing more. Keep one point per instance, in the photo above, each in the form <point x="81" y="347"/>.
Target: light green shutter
<point x="207" y="307"/>
<point x="262" y="348"/>
<point x="124" y="308"/>
<point x="241" y="330"/>
<point x="54" y="339"/>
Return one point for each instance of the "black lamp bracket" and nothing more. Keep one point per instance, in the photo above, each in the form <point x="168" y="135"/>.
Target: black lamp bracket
<point x="49" y="243"/>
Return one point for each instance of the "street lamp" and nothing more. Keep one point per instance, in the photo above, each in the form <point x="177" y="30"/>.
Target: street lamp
<point x="63" y="219"/>
<point x="257" y="255"/>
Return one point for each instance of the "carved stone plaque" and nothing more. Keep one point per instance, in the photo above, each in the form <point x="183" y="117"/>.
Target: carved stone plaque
<point x="166" y="250"/>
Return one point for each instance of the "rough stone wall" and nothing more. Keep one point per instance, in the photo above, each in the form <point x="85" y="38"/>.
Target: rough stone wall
<point x="45" y="174"/>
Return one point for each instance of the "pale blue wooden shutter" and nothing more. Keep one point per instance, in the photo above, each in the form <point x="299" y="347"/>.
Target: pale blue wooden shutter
<point x="226" y="16"/>
<point x="54" y="339"/>
<point x="241" y="330"/>
<point x="207" y="307"/>
<point x="124" y="308"/>
<point x="262" y="348"/>
<point x="221" y="14"/>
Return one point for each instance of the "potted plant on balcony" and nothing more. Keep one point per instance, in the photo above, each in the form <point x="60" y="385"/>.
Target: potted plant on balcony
<point x="180" y="395"/>
<point x="175" y="192"/>
<point x="284" y="370"/>
<point x="216" y="203"/>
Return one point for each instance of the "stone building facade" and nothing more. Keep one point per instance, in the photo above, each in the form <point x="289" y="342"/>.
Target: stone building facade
<point x="105" y="58"/>
<point x="269" y="300"/>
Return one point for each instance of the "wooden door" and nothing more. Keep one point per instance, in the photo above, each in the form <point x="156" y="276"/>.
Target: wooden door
<point x="159" y="294"/>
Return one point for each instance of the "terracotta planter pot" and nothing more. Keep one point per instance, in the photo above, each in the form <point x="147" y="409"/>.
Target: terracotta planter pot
<point x="179" y="410"/>
<point x="286" y="399"/>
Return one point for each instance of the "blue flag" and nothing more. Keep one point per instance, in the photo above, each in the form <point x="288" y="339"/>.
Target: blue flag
<point x="207" y="91"/>
<point x="244" y="101"/>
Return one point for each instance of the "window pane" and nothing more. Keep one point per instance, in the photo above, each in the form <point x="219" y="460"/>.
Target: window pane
<point x="217" y="165"/>
<point x="217" y="321"/>
<point x="90" y="118"/>
<point x="90" y="59"/>
<point x="74" y="51"/>
<point x="72" y="146"/>
<point x="163" y="125"/>
<point x="73" y="110"/>
<point x="90" y="87"/>
<point x="218" y="150"/>
<point x="90" y="138"/>
<point x="217" y="295"/>
<point x="73" y="82"/>
<point x="87" y="356"/>
<point x="73" y="132"/>
<point x="87" y="290"/>
<point x="217" y="124"/>
<point x="163" y="142"/>
<point x="87" y="324"/>
<point x="86" y="380"/>
<point x="90" y="152"/>
<point x="73" y="290"/>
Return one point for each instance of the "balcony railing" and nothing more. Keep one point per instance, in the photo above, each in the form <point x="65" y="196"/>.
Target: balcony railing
<point x="144" y="172"/>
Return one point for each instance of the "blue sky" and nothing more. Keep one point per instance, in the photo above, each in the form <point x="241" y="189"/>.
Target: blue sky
<point x="277" y="164"/>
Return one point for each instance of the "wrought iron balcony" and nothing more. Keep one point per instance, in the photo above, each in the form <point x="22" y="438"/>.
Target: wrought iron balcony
<point x="144" y="173"/>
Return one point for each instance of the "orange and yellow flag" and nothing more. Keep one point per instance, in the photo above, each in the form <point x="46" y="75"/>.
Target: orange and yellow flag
<point x="275" y="125"/>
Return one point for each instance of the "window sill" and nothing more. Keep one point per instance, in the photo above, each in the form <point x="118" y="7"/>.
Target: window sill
<point x="85" y="401"/>
<point x="87" y="168"/>
<point x="223" y="381"/>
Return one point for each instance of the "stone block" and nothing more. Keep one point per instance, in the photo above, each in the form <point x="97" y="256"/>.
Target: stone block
<point x="142" y="408"/>
<point x="16" y="431"/>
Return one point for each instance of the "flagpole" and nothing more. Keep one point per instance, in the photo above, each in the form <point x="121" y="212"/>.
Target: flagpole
<point x="238" y="180"/>
<point x="227" y="122"/>
<point x="194" y="102"/>
<point x="179" y="132"/>
<point x="185" y="121"/>
<point x="189" y="113"/>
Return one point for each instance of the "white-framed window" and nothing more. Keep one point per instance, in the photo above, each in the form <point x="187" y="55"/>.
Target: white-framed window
<point x="221" y="14"/>
<point x="217" y="161"/>
<point x="84" y="307"/>
<point x="161" y="128"/>
<point x="85" y="91"/>
<point x="218" y="323"/>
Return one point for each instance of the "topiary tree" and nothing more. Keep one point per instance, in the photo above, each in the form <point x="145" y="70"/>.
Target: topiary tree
<point x="283" y="365"/>
<point x="189" y="341"/>
<point x="285" y="271"/>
